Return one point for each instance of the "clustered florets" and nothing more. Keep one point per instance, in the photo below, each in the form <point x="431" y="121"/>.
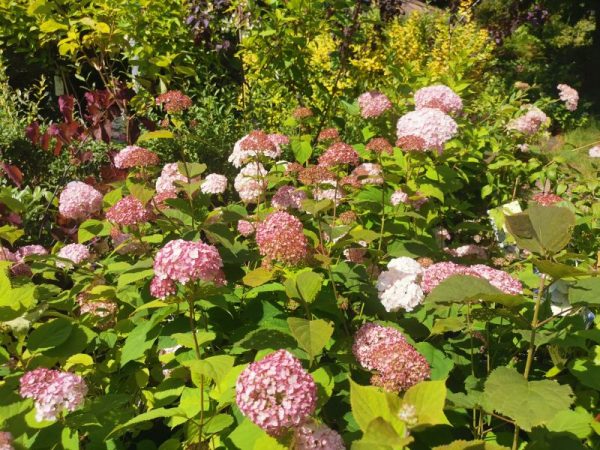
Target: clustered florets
<point x="594" y="152"/>
<point x="128" y="211"/>
<point x="254" y="145"/>
<point x="339" y="153"/>
<point x="396" y="363"/>
<point x="529" y="123"/>
<point x="174" y="101"/>
<point x="77" y="253"/>
<point x="368" y="173"/>
<point x="6" y="441"/>
<point x="251" y="182"/>
<point x="134" y="156"/>
<point x="288" y="197"/>
<point x="276" y="393"/>
<point x="568" y="95"/>
<point x="438" y="97"/>
<point x="245" y="228"/>
<point x="380" y="145"/>
<point x="165" y="183"/>
<point x="53" y="392"/>
<point x="78" y="201"/>
<point x="214" y="183"/>
<point x="373" y="104"/>
<point x="313" y="436"/>
<point x="280" y="237"/>
<point x="399" y="285"/>
<point x="547" y="199"/>
<point x="399" y="197"/>
<point x="425" y="129"/>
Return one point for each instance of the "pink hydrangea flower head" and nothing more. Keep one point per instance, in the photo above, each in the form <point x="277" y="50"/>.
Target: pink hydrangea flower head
<point x="98" y="308"/>
<point x="288" y="197"/>
<point x="443" y="234"/>
<point x="6" y="441"/>
<point x="53" y="392"/>
<point x="78" y="201"/>
<point x="168" y="176"/>
<point x="373" y="104"/>
<point x="7" y="255"/>
<point x="497" y="278"/>
<point x="438" y="272"/>
<point x="278" y="140"/>
<point x="162" y="287"/>
<point x="77" y="253"/>
<point x="438" y="97"/>
<point x="368" y="173"/>
<point x="594" y="152"/>
<point x="31" y="250"/>
<point x="280" y="237"/>
<point x="529" y="123"/>
<point x="128" y="211"/>
<point x="467" y="250"/>
<point x="425" y="129"/>
<point x="380" y="145"/>
<point x="251" y="182"/>
<point x="568" y="95"/>
<point x="316" y="175"/>
<point x="134" y="156"/>
<point x="313" y="436"/>
<point x="399" y="367"/>
<point x="546" y="199"/>
<point x="371" y="336"/>
<point x="347" y="217"/>
<point x="214" y="183"/>
<point x="276" y="393"/>
<point x="328" y="134"/>
<point x="245" y="228"/>
<point x="399" y="197"/>
<point x="251" y="147"/>
<point x="335" y="195"/>
<point x="186" y="261"/>
<point x="339" y="153"/>
<point x="302" y="112"/>
<point x="174" y="101"/>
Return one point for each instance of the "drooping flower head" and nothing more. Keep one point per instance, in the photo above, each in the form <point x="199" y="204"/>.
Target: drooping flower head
<point x="373" y="104"/>
<point x="568" y="95"/>
<point x="313" y="436"/>
<point x="251" y="147"/>
<point x="546" y="199"/>
<point x="77" y="253"/>
<point x="530" y="122"/>
<point x="425" y="129"/>
<point x="128" y="211"/>
<point x="53" y="392"/>
<point x="214" y="183"/>
<point x="251" y="182"/>
<point x="288" y="197"/>
<point x="186" y="261"/>
<point x="280" y="237"/>
<point x="339" y="153"/>
<point x="174" y="101"/>
<point x="134" y="156"/>
<point x="276" y="393"/>
<point x="438" y="97"/>
<point x="78" y="201"/>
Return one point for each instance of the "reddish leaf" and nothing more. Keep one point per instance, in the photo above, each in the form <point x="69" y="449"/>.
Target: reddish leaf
<point x="65" y="105"/>
<point x="33" y="132"/>
<point x="14" y="173"/>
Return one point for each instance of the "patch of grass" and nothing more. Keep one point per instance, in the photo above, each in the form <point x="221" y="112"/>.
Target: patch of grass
<point x="576" y="144"/>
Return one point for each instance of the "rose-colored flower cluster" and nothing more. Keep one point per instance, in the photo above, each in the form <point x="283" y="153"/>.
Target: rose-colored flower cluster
<point x="313" y="436"/>
<point x="280" y="237"/>
<point x="436" y="273"/>
<point x="251" y="182"/>
<point x="6" y="441"/>
<point x="335" y="195"/>
<point x="214" y="183"/>
<point x="288" y="197"/>
<point x="252" y="146"/>
<point x="399" y="197"/>
<point x="380" y="145"/>
<point x="439" y="97"/>
<point x="339" y="153"/>
<point x="546" y="199"/>
<point x="77" y="253"/>
<point x="316" y="175"/>
<point x="425" y="129"/>
<point x="396" y="363"/>
<point x="128" y="211"/>
<point x="530" y="122"/>
<point x="594" y="152"/>
<point x="245" y="228"/>
<point x="162" y="287"/>
<point x="278" y="140"/>
<point x="165" y="183"/>
<point x="373" y="104"/>
<point x="347" y="217"/>
<point x="134" y="156"/>
<point x="568" y="95"/>
<point x="368" y="173"/>
<point x="186" y="261"/>
<point x="328" y="134"/>
<point x="302" y="112"/>
<point x="174" y="101"/>
<point x="276" y="393"/>
<point x="78" y="201"/>
<point x="53" y="392"/>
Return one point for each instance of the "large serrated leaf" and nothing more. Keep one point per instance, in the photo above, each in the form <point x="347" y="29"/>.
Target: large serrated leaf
<point x="469" y="289"/>
<point x="471" y="445"/>
<point x="585" y="292"/>
<point x="428" y="398"/>
<point x="369" y="402"/>
<point x="311" y="335"/>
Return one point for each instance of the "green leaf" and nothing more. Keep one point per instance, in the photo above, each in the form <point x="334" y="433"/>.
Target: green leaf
<point x="10" y="234"/>
<point x="160" y="134"/>
<point x="441" y="365"/>
<point x="213" y="367"/>
<point x="140" y="339"/>
<point x="369" y="402"/>
<point x="529" y="403"/>
<point x="302" y="149"/>
<point x="428" y="398"/>
<point x="471" y="445"/>
<point x="92" y="228"/>
<point x="576" y="422"/>
<point x="140" y="191"/>
<point x="248" y="436"/>
<point x="187" y="340"/>
<point x="444" y="325"/>
<point x="313" y="207"/>
<point x="257" y="277"/>
<point x="585" y="292"/>
<point x="311" y="335"/>
<point x="308" y="285"/>
<point x="217" y="424"/>
<point x="382" y="435"/>
<point x="191" y="170"/>
<point x="49" y="335"/>
<point x="470" y="289"/>
<point x="52" y="26"/>
<point x="146" y="417"/>
<point x="558" y="270"/>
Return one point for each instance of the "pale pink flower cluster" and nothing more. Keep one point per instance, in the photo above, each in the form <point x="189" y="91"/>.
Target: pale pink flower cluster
<point x="185" y="261"/>
<point x="251" y="182"/>
<point x="7" y="255"/>
<point x="546" y="199"/>
<point x="328" y="134"/>
<point x="396" y="363"/>
<point x="20" y="267"/>
<point x="278" y="140"/>
<point x="466" y="250"/>
<point x="254" y="145"/>
<point x="425" y="129"/>
<point x="162" y="287"/>
<point x="335" y="195"/>
<point x="439" y="97"/>
<point x="98" y="308"/>
<point x="438" y="272"/>
<point x="170" y="174"/>
<point x="79" y="201"/>
<point x="128" y="211"/>
<point x="399" y="197"/>
<point x="399" y="285"/>
<point x="31" y="250"/>
<point x="529" y="123"/>
<point x="568" y="95"/>
<point x="134" y="156"/>
<point x="339" y="153"/>
<point x="245" y="228"/>
<point x="77" y="253"/>
<point x="6" y="441"/>
<point x="288" y="197"/>
<point x="281" y="237"/>
<point x="443" y="234"/>
<point x="214" y="183"/>
<point x="276" y="393"/>
<point x="369" y="173"/>
<point x="594" y="152"/>
<point x="313" y="436"/>
<point x="53" y="392"/>
<point x="373" y="104"/>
